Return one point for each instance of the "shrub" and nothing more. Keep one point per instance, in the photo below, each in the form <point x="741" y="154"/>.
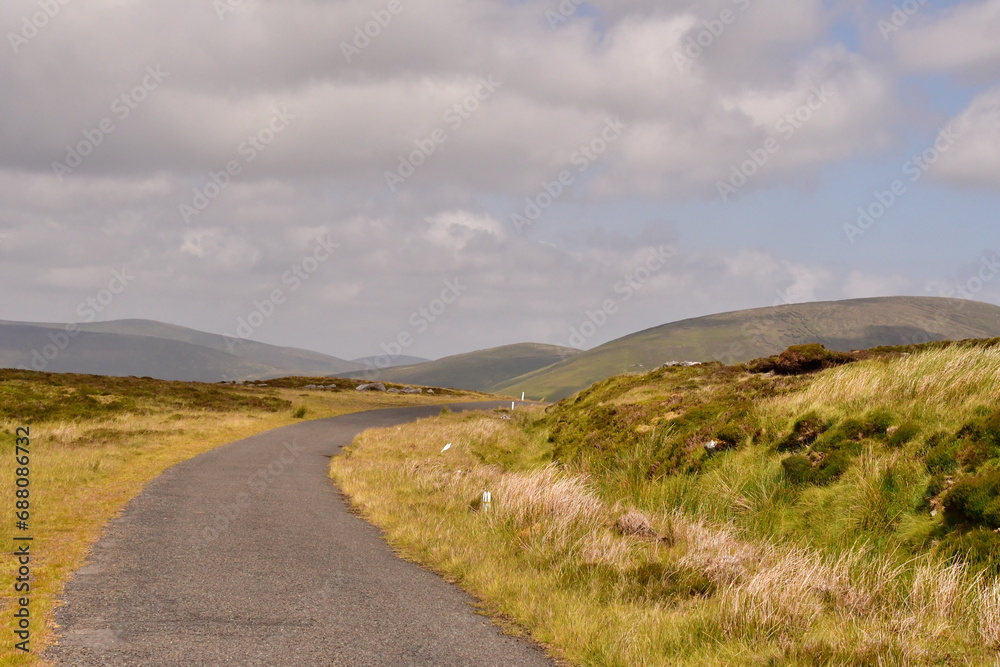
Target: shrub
<point x="300" y="412"/>
<point x="799" y="360"/>
<point x="804" y="433"/>
<point x="943" y="454"/>
<point x="904" y="434"/>
<point x="979" y="549"/>
<point x="974" y="501"/>
<point x="833" y="466"/>
<point x="798" y="470"/>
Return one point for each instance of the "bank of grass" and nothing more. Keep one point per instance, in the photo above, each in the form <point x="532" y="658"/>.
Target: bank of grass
<point x="720" y="515"/>
<point x="97" y="441"/>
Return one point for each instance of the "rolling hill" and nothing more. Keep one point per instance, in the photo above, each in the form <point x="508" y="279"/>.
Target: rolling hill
<point x="475" y="370"/>
<point x="748" y="334"/>
<point x="155" y="349"/>
<point x="385" y="361"/>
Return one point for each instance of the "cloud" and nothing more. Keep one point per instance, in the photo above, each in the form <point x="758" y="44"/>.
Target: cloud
<point x="963" y="40"/>
<point x="973" y="159"/>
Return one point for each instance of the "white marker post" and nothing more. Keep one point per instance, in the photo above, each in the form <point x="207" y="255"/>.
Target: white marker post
<point x="487" y="501"/>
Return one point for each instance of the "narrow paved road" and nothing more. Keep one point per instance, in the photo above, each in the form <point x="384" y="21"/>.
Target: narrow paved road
<point x="247" y="555"/>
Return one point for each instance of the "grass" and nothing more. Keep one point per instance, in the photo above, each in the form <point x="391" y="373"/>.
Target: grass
<point x="720" y="515"/>
<point x="97" y="441"/>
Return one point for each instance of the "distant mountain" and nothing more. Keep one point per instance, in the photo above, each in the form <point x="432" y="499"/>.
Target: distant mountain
<point x="475" y="370"/>
<point x="385" y="361"/>
<point x="748" y="334"/>
<point x="156" y="349"/>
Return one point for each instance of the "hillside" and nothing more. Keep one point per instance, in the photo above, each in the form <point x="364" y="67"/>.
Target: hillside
<point x="757" y="514"/>
<point x="478" y="370"/>
<point x="747" y="334"/>
<point x="385" y="361"/>
<point x="158" y="350"/>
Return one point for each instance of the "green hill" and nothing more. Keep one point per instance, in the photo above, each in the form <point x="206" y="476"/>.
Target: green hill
<point x="475" y="370"/>
<point x="155" y="349"/>
<point x="747" y="334"/>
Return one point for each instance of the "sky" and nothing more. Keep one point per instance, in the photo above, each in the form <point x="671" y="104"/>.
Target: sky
<point x="365" y="177"/>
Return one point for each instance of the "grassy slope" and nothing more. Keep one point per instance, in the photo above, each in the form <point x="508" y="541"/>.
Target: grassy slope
<point x="743" y="335"/>
<point x="845" y="517"/>
<point x="480" y="370"/>
<point x="97" y="441"/>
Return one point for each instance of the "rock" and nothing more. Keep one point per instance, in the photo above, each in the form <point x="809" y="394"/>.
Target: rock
<point x="712" y="445"/>
<point x="373" y="386"/>
<point x="430" y="391"/>
<point x="413" y="390"/>
<point x="635" y="523"/>
<point x="392" y="391"/>
<point x="684" y="364"/>
<point x="310" y="386"/>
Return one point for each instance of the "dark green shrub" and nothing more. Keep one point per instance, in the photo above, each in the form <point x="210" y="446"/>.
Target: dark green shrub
<point x="798" y="469"/>
<point x="804" y="433"/>
<point x="979" y="439"/>
<point x="832" y="467"/>
<point x="974" y="501"/>
<point x="943" y="454"/>
<point x="800" y="359"/>
<point x="979" y="549"/>
<point x="904" y="434"/>
<point x="730" y="435"/>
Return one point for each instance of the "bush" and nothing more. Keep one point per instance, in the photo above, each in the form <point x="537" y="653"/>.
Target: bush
<point x="832" y="467"/>
<point x="804" y="433"/>
<point x="904" y="434"/>
<point x="799" y="360"/>
<point x="979" y="549"/>
<point x="798" y="469"/>
<point x="300" y="412"/>
<point x="974" y="501"/>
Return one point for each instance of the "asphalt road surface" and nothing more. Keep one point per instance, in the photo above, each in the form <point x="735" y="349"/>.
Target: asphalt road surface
<point x="247" y="555"/>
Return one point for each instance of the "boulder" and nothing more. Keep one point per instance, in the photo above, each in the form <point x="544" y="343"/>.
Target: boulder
<point x="373" y="386"/>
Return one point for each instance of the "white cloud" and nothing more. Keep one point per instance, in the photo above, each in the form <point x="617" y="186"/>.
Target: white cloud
<point x="962" y="39"/>
<point x="973" y="159"/>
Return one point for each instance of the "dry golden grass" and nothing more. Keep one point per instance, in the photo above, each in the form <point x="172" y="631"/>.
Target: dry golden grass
<point x="602" y="584"/>
<point x="84" y="472"/>
<point x="956" y="379"/>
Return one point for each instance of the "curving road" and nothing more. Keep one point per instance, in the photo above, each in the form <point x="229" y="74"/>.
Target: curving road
<point x="247" y="555"/>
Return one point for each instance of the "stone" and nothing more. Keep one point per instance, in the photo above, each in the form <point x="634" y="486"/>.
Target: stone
<point x="373" y="386"/>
